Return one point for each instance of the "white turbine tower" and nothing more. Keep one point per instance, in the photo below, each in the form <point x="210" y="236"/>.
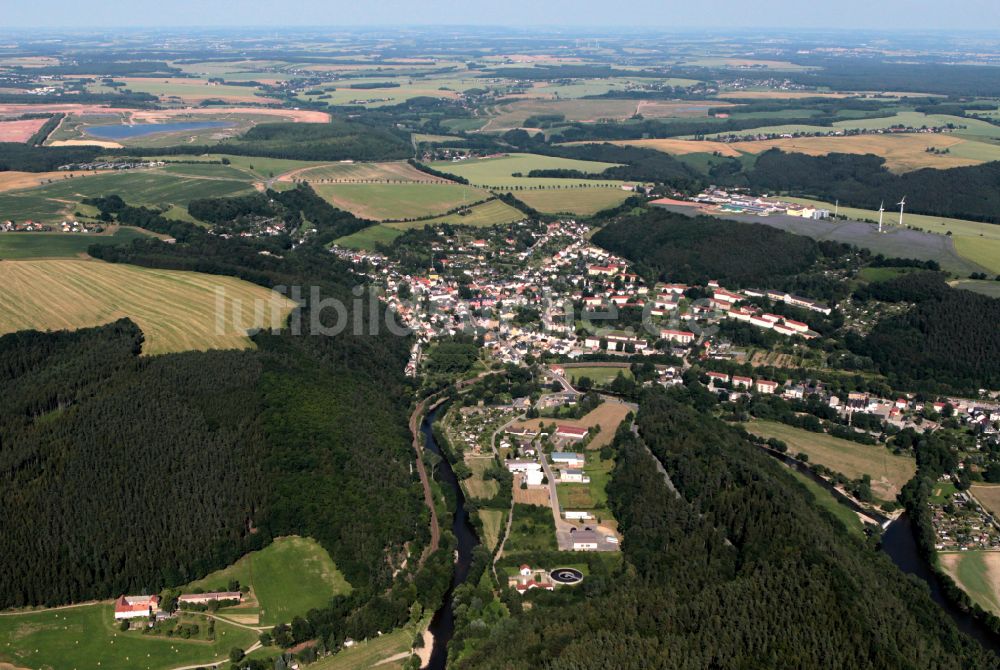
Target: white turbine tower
<point x="902" y="204"/>
<point x="881" y="211"/>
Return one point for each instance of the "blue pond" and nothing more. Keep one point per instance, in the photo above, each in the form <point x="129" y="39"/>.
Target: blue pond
<point x="124" y="132"/>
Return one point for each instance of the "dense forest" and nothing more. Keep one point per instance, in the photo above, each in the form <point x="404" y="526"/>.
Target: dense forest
<point x="202" y="456"/>
<point x="948" y="341"/>
<point x="741" y="570"/>
<point x="676" y="247"/>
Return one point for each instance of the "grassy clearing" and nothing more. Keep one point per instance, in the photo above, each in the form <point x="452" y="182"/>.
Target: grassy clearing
<point x="21" y="246"/>
<point x="258" y="166"/>
<point x="491" y="213"/>
<point x="531" y="529"/>
<point x="581" y="201"/>
<point x="978" y="573"/>
<point x="288" y="578"/>
<point x="498" y="172"/>
<point x="379" y="202"/>
<point x="599" y="374"/>
<point x="888" y="472"/>
<point x="493" y="523"/>
<point x="176" y="310"/>
<point x="475" y="486"/>
<point x="369" y="653"/>
<point x="87" y="637"/>
<point x="826" y="500"/>
<point x="369" y="238"/>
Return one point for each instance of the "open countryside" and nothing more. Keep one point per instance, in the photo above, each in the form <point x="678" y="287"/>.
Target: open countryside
<point x="176" y="310"/>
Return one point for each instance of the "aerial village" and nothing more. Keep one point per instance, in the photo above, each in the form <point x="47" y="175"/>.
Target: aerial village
<point x="562" y="299"/>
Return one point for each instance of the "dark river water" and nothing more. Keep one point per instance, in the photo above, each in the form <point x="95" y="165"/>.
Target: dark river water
<point x="443" y="623"/>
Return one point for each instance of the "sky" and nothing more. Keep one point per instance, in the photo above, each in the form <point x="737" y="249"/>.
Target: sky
<point x="781" y="14"/>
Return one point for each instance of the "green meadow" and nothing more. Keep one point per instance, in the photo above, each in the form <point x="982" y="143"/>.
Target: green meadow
<point x="86" y="637"/>
<point x="289" y="577"/>
<point x="499" y="172"/>
<point x="379" y="202"/>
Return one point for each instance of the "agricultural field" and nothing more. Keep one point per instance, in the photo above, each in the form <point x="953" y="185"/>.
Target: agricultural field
<point x="735" y="62"/>
<point x="902" y="153"/>
<point x="888" y="472"/>
<point x="19" y="131"/>
<point x="154" y="187"/>
<point x="342" y="94"/>
<point x="369" y="238"/>
<point x="16" y="181"/>
<point x="287" y="578"/>
<point x="21" y="246"/>
<point x="978" y="573"/>
<point x="84" y="637"/>
<point x="498" y="172"/>
<point x="187" y="90"/>
<point x="390" y="172"/>
<point x="491" y="213"/>
<point x="579" y="201"/>
<point x="780" y="95"/>
<point x="493" y="524"/>
<point x="175" y="310"/>
<point x="513" y="114"/>
<point x="380" y="202"/>
<point x="826" y="500"/>
<point x="258" y="167"/>
<point x="973" y="240"/>
<point x="989" y="496"/>
<point x="677" y="147"/>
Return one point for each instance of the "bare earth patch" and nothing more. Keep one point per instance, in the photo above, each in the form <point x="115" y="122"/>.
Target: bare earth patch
<point x="19" y="131"/>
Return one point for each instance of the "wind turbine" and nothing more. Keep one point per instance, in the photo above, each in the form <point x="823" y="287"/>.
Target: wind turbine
<point x="902" y="204"/>
<point x="881" y="211"/>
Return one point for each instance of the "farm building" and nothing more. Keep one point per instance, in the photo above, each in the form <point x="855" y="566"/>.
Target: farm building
<point x="571" y="432"/>
<point x="568" y="459"/>
<point x="135" y="607"/>
<point x="205" y="598"/>
<point x="573" y="476"/>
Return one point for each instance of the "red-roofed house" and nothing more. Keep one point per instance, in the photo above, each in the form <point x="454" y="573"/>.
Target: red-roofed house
<point x="718" y="376"/>
<point x="571" y="432"/>
<point x="134" y="607"/>
<point x="745" y="382"/>
<point x="680" y="336"/>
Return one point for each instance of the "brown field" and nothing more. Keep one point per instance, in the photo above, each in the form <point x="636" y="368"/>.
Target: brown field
<point x="152" y="115"/>
<point x="989" y="496"/>
<point x="608" y="416"/>
<point x="346" y="173"/>
<point x="902" y="153"/>
<point x="19" y="131"/>
<point x="105" y="144"/>
<point x="783" y="95"/>
<point x="978" y="573"/>
<point x="538" y="495"/>
<point x="679" y="147"/>
<point x="13" y="181"/>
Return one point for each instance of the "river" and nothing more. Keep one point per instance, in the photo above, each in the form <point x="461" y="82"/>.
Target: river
<point x="442" y="625"/>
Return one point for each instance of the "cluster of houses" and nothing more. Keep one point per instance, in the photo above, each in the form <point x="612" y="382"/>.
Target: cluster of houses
<point x="961" y="524"/>
<point x="111" y="165"/>
<point x="36" y="227"/>
<point x="148" y="606"/>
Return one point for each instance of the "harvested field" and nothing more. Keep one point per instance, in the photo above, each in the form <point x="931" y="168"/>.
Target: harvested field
<point x="660" y="109"/>
<point x="189" y="90"/>
<point x="989" y="496"/>
<point x="677" y="147"/>
<point x="359" y="173"/>
<point x="19" y="131"/>
<point x="176" y="310"/>
<point x="780" y="95"/>
<point x="888" y="472"/>
<point x="902" y="152"/>
<point x="491" y="213"/>
<point x="105" y="144"/>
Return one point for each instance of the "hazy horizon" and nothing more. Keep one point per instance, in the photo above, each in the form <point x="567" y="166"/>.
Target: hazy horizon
<point x="889" y="15"/>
